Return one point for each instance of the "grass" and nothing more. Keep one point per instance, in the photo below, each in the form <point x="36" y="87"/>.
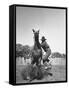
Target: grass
<point x="58" y="71"/>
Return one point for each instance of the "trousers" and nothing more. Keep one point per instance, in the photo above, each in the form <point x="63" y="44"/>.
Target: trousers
<point x="48" y="53"/>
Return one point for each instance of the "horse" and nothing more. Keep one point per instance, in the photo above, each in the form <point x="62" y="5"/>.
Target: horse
<point x="36" y="51"/>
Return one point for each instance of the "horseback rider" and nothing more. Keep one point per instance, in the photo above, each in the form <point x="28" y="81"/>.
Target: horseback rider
<point x="46" y="49"/>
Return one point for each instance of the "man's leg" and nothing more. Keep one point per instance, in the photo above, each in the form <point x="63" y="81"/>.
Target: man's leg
<point x="46" y="56"/>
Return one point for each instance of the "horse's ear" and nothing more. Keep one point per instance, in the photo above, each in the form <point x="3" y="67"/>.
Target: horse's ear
<point x="38" y="30"/>
<point x="33" y="30"/>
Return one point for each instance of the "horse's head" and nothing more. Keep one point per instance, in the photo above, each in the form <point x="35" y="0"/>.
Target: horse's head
<point x="36" y="34"/>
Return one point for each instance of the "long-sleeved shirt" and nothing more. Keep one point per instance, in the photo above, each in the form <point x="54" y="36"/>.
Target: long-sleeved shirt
<point x="45" y="46"/>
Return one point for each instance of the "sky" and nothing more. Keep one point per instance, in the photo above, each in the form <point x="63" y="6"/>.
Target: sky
<point x="51" y="23"/>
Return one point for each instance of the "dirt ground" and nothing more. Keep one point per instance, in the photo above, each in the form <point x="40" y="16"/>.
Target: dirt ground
<point x="58" y="70"/>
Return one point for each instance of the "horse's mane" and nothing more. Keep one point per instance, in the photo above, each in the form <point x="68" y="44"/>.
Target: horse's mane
<point x="37" y="44"/>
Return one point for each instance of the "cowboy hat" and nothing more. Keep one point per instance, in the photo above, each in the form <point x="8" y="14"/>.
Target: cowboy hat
<point x="43" y="38"/>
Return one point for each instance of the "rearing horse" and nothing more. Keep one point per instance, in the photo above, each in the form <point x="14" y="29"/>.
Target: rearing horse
<point x="36" y="51"/>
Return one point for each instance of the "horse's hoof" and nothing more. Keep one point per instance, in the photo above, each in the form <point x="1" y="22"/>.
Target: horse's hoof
<point x="50" y="74"/>
<point x="29" y="80"/>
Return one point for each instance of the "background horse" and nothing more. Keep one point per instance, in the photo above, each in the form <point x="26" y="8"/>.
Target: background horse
<point x="36" y="51"/>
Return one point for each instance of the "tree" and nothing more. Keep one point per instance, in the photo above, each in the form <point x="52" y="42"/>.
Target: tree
<point x="26" y="52"/>
<point x="58" y="55"/>
<point x="19" y="48"/>
<point x="22" y="51"/>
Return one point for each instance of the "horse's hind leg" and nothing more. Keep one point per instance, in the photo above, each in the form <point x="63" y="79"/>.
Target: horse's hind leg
<point x="40" y="61"/>
<point x="33" y="62"/>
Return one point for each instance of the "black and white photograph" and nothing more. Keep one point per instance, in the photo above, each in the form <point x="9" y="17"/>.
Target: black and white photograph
<point x="40" y="44"/>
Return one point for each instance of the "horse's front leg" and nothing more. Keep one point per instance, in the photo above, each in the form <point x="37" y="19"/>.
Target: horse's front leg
<point x="41" y="58"/>
<point x="37" y="62"/>
<point x="32" y="61"/>
<point x="40" y="61"/>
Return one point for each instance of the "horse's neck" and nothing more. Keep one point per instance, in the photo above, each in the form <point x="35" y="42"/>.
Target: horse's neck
<point x="37" y="45"/>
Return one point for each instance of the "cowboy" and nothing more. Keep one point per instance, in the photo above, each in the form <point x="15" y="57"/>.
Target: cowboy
<point x="46" y="49"/>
